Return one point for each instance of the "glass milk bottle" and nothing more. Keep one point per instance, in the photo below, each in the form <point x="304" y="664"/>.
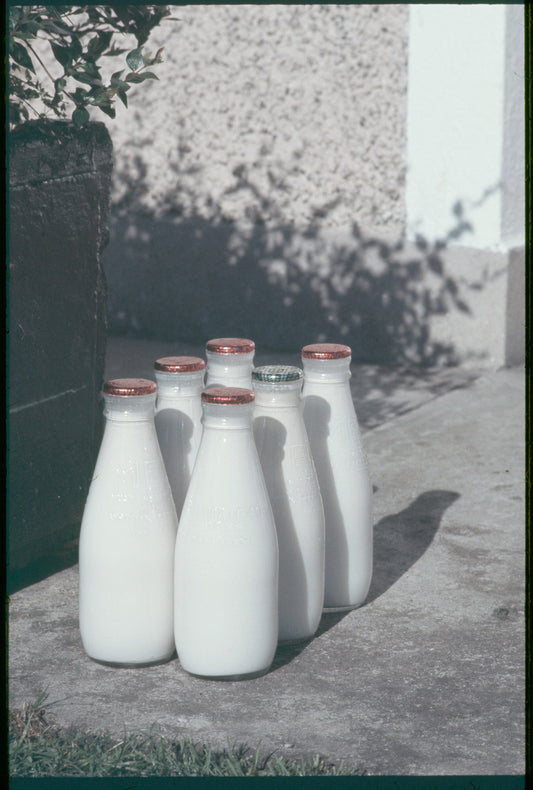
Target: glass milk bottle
<point x="292" y="484"/>
<point x="229" y="362"/>
<point x="127" y="536"/>
<point x="178" y="418"/>
<point x="342" y="470"/>
<point x="226" y="561"/>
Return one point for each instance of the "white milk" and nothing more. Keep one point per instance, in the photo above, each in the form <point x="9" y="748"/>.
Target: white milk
<point x="292" y="484"/>
<point x="342" y="470"/>
<point x="127" y="536"/>
<point x="229" y="362"/>
<point x="178" y="418"/>
<point x="226" y="561"/>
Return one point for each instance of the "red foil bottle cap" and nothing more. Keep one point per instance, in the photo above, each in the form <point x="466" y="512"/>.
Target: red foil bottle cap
<point x="230" y="345"/>
<point x="326" y="351"/>
<point x="179" y="364"/>
<point x="130" y="387"/>
<point x="227" y="396"/>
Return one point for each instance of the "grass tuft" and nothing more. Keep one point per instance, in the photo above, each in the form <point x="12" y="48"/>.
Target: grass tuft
<point x="38" y="748"/>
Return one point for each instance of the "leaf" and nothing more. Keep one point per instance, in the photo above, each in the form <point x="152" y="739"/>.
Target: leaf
<point x="148" y="75"/>
<point x="75" y="47"/>
<point x="134" y="59"/>
<point x="20" y="55"/>
<point x="105" y="37"/>
<point x="114" y="51"/>
<point x="58" y="27"/>
<point x="122" y="96"/>
<point x="53" y="12"/>
<point x="28" y="29"/>
<point x="62" y="54"/>
<point x="86" y="79"/>
<point x="118" y="83"/>
<point x="99" y="95"/>
<point x="80" y="116"/>
<point x="91" y="69"/>
<point x="80" y="96"/>
<point x="92" y="45"/>
<point x="108" y="109"/>
<point x="99" y="43"/>
<point x="15" y="15"/>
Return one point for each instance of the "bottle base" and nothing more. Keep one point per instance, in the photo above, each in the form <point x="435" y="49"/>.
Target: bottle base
<point x="133" y="664"/>
<point x="230" y="678"/>
<point x="298" y="640"/>
<point x="343" y="608"/>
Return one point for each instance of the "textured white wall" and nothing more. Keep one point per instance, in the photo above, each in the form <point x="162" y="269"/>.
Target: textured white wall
<point x="466" y="123"/>
<point x="260" y="186"/>
<point x="271" y="112"/>
<point x="513" y="164"/>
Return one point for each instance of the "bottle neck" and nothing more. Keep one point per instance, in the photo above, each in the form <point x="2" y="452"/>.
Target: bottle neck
<point x="282" y="395"/>
<point x="227" y="417"/>
<point x="175" y="385"/>
<point x="331" y="371"/>
<point x="129" y="408"/>
<point x="230" y="366"/>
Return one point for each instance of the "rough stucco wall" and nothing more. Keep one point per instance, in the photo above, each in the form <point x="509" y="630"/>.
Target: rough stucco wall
<point x="271" y="113"/>
<point x="513" y="192"/>
<point x="260" y="190"/>
<point x="253" y="177"/>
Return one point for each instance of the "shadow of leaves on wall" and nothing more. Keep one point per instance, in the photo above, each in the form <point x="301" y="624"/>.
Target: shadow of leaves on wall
<point x="185" y="275"/>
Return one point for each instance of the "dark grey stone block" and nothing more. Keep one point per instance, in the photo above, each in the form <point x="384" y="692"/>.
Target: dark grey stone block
<point x="59" y="183"/>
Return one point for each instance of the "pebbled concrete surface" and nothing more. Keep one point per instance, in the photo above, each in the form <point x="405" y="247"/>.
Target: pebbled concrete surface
<point x="427" y="678"/>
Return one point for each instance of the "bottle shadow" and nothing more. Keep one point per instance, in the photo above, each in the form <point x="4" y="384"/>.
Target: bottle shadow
<point x="271" y="439"/>
<point x="317" y="417"/>
<point x="399" y="541"/>
<point x="174" y="433"/>
<point x="402" y="538"/>
<point x="286" y="652"/>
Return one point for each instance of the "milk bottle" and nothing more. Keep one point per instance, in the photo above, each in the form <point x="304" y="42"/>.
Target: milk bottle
<point x="343" y="477"/>
<point x="229" y="362"/>
<point x="178" y="416"/>
<point x="292" y="484"/>
<point x="127" y="536"/>
<point x="226" y="559"/>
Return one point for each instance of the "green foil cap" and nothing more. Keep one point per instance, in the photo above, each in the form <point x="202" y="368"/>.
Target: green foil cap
<point x="277" y="374"/>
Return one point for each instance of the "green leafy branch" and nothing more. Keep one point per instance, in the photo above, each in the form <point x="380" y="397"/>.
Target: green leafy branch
<point x="78" y="36"/>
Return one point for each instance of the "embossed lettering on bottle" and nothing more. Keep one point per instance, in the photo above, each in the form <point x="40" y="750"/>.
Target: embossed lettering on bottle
<point x="127" y="536"/>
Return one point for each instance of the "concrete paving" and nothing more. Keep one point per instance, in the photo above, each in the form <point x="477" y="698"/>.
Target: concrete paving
<point x="426" y="678"/>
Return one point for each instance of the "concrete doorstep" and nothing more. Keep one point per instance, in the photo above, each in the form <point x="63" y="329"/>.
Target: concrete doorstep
<point x="426" y="678"/>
